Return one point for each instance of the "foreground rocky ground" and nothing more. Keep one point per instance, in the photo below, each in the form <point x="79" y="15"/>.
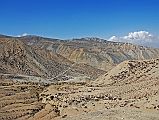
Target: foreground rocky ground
<point x="74" y="101"/>
<point x="19" y="100"/>
<point x="116" y="95"/>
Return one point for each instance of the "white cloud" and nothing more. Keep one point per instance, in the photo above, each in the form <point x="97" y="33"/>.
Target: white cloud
<point x="113" y="38"/>
<point x="140" y="37"/>
<point x="24" y="34"/>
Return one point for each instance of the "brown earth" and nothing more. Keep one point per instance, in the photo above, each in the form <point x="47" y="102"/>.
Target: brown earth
<point x="66" y="59"/>
<point x="116" y="95"/>
<point x="95" y="52"/>
<point x="18" y="58"/>
<point x="45" y="79"/>
<point x="120" y="95"/>
<point x="19" y="101"/>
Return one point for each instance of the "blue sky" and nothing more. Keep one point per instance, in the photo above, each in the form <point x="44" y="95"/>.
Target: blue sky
<point x="78" y="18"/>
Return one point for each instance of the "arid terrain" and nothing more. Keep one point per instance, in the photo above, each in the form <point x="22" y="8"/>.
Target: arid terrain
<point x="79" y="79"/>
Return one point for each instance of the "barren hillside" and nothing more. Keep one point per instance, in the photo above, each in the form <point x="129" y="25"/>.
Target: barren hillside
<point x="46" y="79"/>
<point x="128" y="91"/>
<point x="95" y="52"/>
<point x="18" y="58"/>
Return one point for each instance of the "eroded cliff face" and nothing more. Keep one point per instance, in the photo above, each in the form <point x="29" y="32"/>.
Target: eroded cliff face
<point x="98" y="53"/>
<point x="14" y="57"/>
<point x="59" y="59"/>
<point x="19" y="58"/>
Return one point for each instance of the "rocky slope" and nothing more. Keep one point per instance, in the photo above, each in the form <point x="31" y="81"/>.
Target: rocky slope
<point x="128" y="91"/>
<point x="95" y="52"/>
<point x="19" y="101"/>
<point x="129" y="71"/>
<point x="66" y="59"/>
<point x="89" y="57"/>
<point x="18" y="58"/>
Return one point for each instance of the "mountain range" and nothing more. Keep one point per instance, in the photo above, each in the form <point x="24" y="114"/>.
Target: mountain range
<point x="66" y="59"/>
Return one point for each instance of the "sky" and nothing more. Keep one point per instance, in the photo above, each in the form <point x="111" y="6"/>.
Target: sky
<point x="67" y="19"/>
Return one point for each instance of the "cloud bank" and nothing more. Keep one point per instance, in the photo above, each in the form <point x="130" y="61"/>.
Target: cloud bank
<point x="141" y="37"/>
